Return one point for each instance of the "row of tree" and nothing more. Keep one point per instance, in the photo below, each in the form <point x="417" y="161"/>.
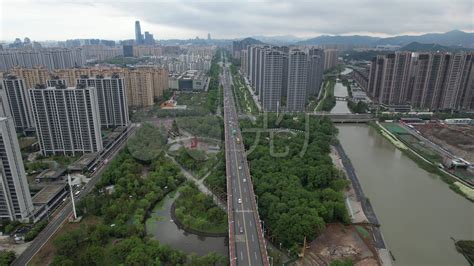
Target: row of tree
<point x="214" y="92"/>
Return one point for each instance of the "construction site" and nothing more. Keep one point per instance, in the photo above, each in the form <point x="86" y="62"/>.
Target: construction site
<point x="340" y="243"/>
<point x="446" y="144"/>
<point x="458" y="139"/>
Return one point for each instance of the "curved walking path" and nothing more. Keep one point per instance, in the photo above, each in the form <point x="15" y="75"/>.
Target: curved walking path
<point x="200" y="184"/>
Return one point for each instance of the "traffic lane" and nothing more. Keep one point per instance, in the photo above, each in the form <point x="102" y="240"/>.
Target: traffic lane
<point x="241" y="246"/>
<point x="245" y="226"/>
<point x="248" y="204"/>
<point x="238" y="205"/>
<point x="249" y="214"/>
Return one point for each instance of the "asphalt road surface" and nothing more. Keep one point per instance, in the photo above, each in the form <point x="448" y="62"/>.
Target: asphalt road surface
<point x="248" y="246"/>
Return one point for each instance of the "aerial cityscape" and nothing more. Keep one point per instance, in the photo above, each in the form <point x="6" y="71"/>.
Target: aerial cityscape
<point x="237" y="133"/>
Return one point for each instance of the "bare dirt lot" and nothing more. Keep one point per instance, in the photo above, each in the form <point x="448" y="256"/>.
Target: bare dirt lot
<point x="9" y="244"/>
<point x="458" y="139"/>
<point x="339" y="242"/>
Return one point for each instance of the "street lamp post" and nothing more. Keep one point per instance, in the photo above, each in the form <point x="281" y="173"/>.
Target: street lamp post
<point x="72" y="197"/>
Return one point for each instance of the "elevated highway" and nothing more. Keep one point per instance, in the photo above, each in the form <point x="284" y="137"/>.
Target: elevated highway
<point x="246" y="242"/>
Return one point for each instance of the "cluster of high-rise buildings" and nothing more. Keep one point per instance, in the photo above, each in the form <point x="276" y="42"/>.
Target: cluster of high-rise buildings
<point x="50" y="58"/>
<point x="66" y="120"/>
<point x="142" y="84"/>
<point x="426" y="81"/>
<point x="283" y="78"/>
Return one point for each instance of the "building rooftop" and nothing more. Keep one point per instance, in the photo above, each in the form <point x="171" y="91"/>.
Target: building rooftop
<point x="51" y="173"/>
<point x="83" y="162"/>
<point x="47" y="193"/>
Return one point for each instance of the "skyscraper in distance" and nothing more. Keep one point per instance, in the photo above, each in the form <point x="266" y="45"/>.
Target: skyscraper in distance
<point x="138" y="33"/>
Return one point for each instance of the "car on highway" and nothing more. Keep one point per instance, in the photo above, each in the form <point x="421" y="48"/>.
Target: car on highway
<point x="245" y="180"/>
<point x="239" y="201"/>
<point x="240" y="167"/>
<point x="241" y="230"/>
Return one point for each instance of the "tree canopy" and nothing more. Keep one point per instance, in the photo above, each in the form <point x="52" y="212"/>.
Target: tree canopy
<point x="300" y="192"/>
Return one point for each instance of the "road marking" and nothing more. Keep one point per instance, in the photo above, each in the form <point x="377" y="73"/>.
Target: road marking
<point x="255" y="255"/>
<point x="243" y="210"/>
<point x="241" y="255"/>
<point x="253" y="239"/>
<point x="243" y="214"/>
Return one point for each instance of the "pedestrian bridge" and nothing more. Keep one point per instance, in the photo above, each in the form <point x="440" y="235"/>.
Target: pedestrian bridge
<point x="346" y="117"/>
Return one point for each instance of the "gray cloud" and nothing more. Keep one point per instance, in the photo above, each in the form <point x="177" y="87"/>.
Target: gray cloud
<point x="237" y="18"/>
<point x="298" y="17"/>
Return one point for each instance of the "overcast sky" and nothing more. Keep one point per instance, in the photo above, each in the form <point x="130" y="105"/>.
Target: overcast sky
<point x="166" y="19"/>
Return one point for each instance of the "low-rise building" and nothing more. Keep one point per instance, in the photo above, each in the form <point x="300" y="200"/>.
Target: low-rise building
<point x="191" y="80"/>
<point x="50" y="175"/>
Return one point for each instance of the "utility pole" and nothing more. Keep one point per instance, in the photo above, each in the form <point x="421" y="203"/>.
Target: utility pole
<point x="278" y="107"/>
<point x="72" y="196"/>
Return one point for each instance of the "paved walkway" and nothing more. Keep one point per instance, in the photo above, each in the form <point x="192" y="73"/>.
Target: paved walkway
<point x="200" y="184"/>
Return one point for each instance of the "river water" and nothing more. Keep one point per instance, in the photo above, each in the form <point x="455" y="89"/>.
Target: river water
<point x="341" y="90"/>
<point x="341" y="106"/>
<point x="418" y="212"/>
<point x="163" y="229"/>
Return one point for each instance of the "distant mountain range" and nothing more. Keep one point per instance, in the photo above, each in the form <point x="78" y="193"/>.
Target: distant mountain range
<point x="426" y="47"/>
<point x="451" y="38"/>
<point x="279" y="40"/>
<point x="341" y="40"/>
